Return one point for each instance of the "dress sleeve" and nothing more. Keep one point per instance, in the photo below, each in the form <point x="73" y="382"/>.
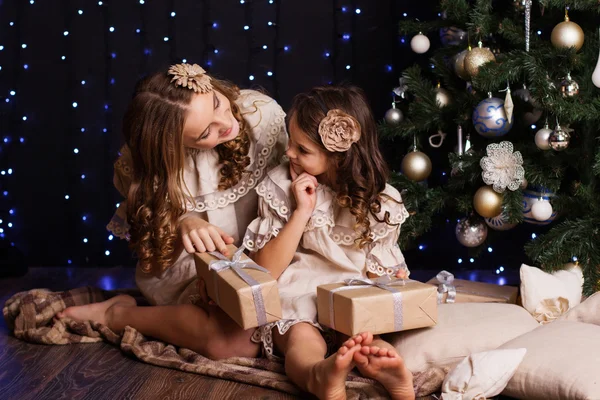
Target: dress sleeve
<point x="384" y="256"/>
<point x="123" y="174"/>
<point x="273" y="213"/>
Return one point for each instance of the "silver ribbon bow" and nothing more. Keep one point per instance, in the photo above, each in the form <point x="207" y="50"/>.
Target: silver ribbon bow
<point x="385" y="283"/>
<point x="445" y="285"/>
<point x="237" y="266"/>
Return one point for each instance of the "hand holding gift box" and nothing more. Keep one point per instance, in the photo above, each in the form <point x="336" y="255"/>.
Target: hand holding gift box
<point x="241" y="288"/>
<point x="452" y="290"/>
<point x="379" y="305"/>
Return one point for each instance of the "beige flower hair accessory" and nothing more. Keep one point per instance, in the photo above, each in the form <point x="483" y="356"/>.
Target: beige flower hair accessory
<point x="191" y="76"/>
<point x="339" y="130"/>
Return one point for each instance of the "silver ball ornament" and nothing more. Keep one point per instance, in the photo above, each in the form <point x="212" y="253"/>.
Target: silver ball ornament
<point x="568" y="87"/>
<point x="559" y="139"/>
<point x="471" y="232"/>
<point x="393" y="116"/>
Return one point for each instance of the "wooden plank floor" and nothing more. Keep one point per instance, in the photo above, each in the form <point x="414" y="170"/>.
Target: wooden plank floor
<point x="101" y="371"/>
<point x="96" y="371"/>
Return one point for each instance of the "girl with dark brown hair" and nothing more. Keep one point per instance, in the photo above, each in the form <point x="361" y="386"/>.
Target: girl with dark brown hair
<point x="195" y="149"/>
<point x="327" y="216"/>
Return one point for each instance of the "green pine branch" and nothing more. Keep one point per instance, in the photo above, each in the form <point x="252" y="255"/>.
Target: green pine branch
<point x="583" y="5"/>
<point x="422" y="204"/>
<point x="481" y="21"/>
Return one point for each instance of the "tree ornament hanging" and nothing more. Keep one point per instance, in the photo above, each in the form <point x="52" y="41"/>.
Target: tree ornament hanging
<point x="532" y="195"/>
<point x="541" y="210"/>
<point x="416" y="165"/>
<point x="419" y="43"/>
<point x="559" y="138"/>
<point x="502" y="168"/>
<point x="567" y="34"/>
<point x="568" y="87"/>
<point x="442" y="96"/>
<point x="459" y="65"/>
<point x="542" y="136"/>
<point x="491" y="119"/>
<point x="471" y="231"/>
<point x="393" y="116"/>
<point x="476" y="58"/>
<point x="487" y="202"/>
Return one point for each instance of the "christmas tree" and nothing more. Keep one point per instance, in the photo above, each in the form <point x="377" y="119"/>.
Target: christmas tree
<point x="513" y="94"/>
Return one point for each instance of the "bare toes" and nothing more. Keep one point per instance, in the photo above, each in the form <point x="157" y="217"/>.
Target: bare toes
<point x="374" y="349"/>
<point x="361" y="359"/>
<point x="382" y="352"/>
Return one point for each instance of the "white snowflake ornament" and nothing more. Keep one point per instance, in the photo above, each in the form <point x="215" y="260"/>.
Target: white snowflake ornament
<point x="502" y="168"/>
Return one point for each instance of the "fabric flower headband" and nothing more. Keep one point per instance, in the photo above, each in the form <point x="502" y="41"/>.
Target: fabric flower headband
<point x="338" y="130"/>
<point x="191" y="76"/>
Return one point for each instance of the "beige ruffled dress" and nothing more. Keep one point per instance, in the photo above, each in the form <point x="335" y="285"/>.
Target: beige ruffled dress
<point x="232" y="209"/>
<point x="327" y="252"/>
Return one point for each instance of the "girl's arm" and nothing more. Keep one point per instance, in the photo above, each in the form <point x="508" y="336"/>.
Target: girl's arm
<point x="278" y="253"/>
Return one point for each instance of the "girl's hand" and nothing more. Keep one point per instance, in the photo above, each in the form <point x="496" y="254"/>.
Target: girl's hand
<point x="197" y="235"/>
<point x="304" y="187"/>
<point x="402" y="273"/>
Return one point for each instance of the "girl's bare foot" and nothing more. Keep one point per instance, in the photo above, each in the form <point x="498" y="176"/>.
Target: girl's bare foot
<point x="327" y="379"/>
<point x="97" y="312"/>
<point x="387" y="367"/>
<point x="364" y="339"/>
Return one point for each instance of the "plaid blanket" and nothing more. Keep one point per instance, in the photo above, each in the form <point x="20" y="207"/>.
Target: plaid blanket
<point x="31" y="317"/>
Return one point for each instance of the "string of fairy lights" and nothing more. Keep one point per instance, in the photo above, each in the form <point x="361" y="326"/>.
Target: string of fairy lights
<point x="87" y="240"/>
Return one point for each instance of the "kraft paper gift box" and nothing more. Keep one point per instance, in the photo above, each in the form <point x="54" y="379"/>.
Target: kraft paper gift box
<point x="378" y="306"/>
<point x="245" y="291"/>
<point x="452" y="290"/>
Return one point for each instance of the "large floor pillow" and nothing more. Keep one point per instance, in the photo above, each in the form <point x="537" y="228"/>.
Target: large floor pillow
<point x="462" y="329"/>
<point x="562" y="363"/>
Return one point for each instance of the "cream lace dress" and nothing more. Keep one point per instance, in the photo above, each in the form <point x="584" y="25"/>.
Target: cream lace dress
<point x="232" y="209"/>
<point x="326" y="254"/>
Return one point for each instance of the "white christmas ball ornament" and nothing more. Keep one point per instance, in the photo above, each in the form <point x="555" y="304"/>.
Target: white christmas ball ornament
<point x="542" y="138"/>
<point x="419" y="43"/>
<point x="541" y="210"/>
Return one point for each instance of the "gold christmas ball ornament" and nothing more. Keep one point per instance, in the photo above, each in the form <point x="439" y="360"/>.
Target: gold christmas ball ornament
<point x="487" y="202"/>
<point x="476" y="58"/>
<point x="559" y="139"/>
<point x="416" y="166"/>
<point x="567" y="34"/>
<point x="568" y="87"/>
<point x="471" y="232"/>
<point x="442" y="97"/>
<point x="459" y="65"/>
